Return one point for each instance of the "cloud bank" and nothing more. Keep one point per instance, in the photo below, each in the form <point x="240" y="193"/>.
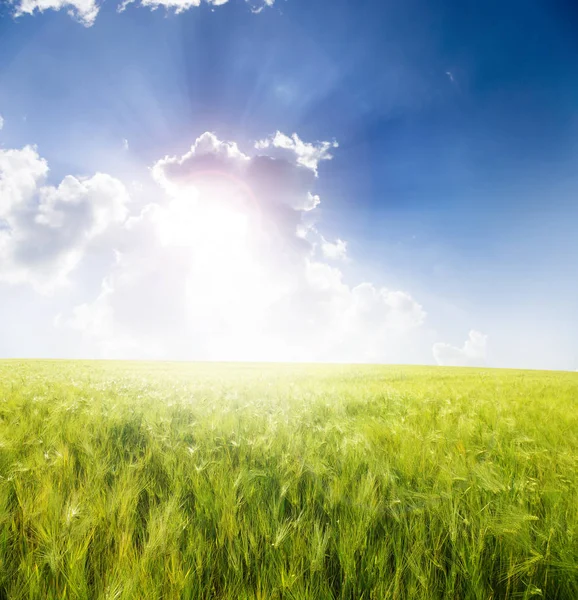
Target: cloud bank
<point x="224" y="264"/>
<point x="225" y="269"/>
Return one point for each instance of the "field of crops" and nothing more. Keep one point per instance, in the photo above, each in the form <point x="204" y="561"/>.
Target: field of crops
<point x="169" y="481"/>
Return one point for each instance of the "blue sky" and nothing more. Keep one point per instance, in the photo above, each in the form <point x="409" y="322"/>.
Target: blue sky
<point x="454" y="181"/>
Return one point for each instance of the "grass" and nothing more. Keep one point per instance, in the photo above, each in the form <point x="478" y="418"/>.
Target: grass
<point x="165" y="481"/>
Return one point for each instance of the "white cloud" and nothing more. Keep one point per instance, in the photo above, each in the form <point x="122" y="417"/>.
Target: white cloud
<point x="180" y="6"/>
<point x="308" y="155"/>
<point x="84" y="11"/>
<point x="313" y="201"/>
<point x="334" y="251"/>
<point x="45" y="230"/>
<point x="219" y="268"/>
<point x="1" y="122"/>
<point x="279" y="184"/>
<point x="125" y="145"/>
<point x="472" y="354"/>
<point x="206" y="156"/>
<point x="259" y="7"/>
<point x="20" y="171"/>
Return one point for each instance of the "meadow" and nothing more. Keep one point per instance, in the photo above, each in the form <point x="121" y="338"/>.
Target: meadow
<point x="194" y="481"/>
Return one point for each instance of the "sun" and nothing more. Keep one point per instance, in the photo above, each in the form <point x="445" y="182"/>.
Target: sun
<point x="215" y="230"/>
<point x="208" y="218"/>
<point x="230" y="282"/>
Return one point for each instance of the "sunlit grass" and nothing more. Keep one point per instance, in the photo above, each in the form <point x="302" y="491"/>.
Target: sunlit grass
<point x="171" y="481"/>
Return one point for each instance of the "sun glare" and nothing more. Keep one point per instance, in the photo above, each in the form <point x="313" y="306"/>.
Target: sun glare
<point x="208" y="223"/>
<point x="227" y="286"/>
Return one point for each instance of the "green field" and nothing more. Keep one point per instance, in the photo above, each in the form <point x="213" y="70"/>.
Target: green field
<point x="166" y="481"/>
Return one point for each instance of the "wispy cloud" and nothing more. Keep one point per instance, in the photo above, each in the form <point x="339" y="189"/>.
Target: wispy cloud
<point x="308" y="154"/>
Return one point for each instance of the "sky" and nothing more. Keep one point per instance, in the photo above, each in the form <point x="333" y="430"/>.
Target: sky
<point x="288" y="180"/>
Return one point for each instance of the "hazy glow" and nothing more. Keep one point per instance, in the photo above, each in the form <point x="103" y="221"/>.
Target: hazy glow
<point x="227" y="287"/>
<point x="210" y="226"/>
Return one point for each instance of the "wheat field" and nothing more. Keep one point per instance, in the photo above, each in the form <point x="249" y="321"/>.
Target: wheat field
<point x="170" y="480"/>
